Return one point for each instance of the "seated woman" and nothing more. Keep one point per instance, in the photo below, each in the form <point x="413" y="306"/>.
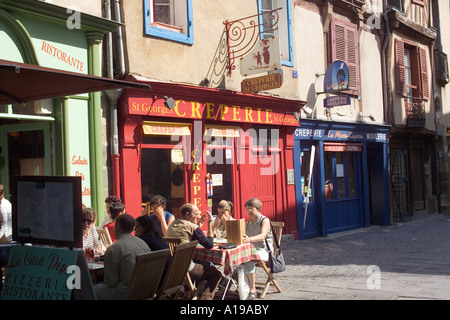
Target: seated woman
<point x="224" y="213"/>
<point x="147" y="230"/>
<point x="90" y="235"/>
<point x="115" y="210"/>
<point x="257" y="230"/>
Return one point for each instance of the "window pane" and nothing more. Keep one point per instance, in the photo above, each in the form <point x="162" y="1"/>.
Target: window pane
<point x="328" y="163"/>
<point x="306" y="157"/>
<point x="162" y="11"/>
<point x="407" y="67"/>
<point x="150" y="139"/>
<point x="160" y="176"/>
<point x="340" y="175"/>
<point x="265" y="137"/>
<point x="351" y="174"/>
<point x="26" y="152"/>
<point x="267" y="18"/>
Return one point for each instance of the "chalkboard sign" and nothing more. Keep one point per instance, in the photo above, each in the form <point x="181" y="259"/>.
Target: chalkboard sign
<point x="47" y="210"/>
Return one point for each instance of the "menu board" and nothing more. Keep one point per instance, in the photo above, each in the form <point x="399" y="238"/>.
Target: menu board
<point x="37" y="273"/>
<point x="47" y="210"/>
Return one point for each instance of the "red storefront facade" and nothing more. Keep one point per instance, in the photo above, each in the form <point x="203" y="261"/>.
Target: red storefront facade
<point x="208" y="145"/>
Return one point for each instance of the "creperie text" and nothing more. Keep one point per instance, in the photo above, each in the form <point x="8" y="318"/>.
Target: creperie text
<point x="210" y="111"/>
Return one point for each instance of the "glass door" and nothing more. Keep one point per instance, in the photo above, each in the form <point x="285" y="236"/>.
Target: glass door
<point x="163" y="171"/>
<point x="219" y="156"/>
<point x="308" y="222"/>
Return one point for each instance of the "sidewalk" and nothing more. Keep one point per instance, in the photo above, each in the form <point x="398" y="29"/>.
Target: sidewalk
<point x="403" y="261"/>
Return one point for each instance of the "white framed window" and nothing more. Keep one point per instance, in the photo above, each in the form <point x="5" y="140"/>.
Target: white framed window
<point x="169" y="19"/>
<point x="284" y="27"/>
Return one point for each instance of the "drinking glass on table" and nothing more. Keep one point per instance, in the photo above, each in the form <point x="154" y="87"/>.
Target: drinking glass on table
<point x="219" y="234"/>
<point x="89" y="253"/>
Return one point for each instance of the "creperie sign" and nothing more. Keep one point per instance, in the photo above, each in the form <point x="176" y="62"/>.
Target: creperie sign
<point x="210" y="111"/>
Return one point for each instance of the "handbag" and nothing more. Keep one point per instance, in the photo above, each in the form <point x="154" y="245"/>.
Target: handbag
<point x="276" y="262"/>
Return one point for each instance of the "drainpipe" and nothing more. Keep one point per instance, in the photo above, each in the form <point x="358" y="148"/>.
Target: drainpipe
<point x="383" y="59"/>
<point x="113" y="95"/>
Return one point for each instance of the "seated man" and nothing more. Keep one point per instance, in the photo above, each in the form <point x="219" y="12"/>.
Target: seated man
<point x="188" y="229"/>
<point x="120" y="259"/>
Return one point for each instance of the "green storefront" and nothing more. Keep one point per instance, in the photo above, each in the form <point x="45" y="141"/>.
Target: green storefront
<point x="55" y="136"/>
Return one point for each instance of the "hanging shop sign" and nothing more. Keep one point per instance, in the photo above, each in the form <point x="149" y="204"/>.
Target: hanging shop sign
<point x="342" y="147"/>
<point x="334" y="101"/>
<point x="336" y="77"/>
<point x="146" y="106"/>
<point x="165" y="128"/>
<point x="216" y="131"/>
<point x="263" y="83"/>
<point x="265" y="56"/>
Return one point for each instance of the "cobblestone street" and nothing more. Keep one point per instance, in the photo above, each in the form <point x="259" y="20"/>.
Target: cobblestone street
<point x="408" y="260"/>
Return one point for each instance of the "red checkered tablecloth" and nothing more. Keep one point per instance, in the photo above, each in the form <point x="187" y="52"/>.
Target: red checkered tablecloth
<point x="230" y="258"/>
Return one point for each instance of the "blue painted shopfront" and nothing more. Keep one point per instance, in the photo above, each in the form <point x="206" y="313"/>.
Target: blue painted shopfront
<point x="348" y="187"/>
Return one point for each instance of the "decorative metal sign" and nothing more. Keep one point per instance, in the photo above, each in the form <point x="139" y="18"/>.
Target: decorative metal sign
<point x="243" y="34"/>
<point x="265" y="56"/>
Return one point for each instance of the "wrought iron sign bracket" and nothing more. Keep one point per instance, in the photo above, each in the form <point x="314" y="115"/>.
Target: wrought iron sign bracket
<point x="243" y="34"/>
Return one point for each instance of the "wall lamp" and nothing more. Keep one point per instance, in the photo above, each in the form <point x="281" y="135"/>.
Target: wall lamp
<point x="328" y="113"/>
<point x="169" y="102"/>
<point x="307" y="110"/>
<point x="371" y="117"/>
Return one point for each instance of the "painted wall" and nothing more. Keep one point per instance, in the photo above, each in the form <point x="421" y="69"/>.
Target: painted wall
<point x="311" y="41"/>
<point x="166" y="60"/>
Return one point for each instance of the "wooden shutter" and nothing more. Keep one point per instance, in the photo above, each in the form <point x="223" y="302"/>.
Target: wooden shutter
<point x="344" y="46"/>
<point x="424" y="73"/>
<point x="400" y="67"/>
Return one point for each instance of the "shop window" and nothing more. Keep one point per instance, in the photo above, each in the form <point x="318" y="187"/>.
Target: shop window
<point x="340" y="175"/>
<point x="169" y="19"/>
<point x="344" y="47"/>
<point x="172" y="140"/>
<point x="41" y="108"/>
<point x="163" y="152"/>
<point x="284" y="27"/>
<point x="219" y="167"/>
<point x="265" y="138"/>
<point x="26" y="151"/>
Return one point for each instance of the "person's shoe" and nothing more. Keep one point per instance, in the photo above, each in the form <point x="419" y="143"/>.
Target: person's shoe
<point x="251" y="296"/>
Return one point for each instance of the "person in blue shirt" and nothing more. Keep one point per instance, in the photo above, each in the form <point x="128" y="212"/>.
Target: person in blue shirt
<point x="160" y="216"/>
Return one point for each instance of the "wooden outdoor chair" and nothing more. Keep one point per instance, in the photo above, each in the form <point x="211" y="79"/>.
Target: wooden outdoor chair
<point x="105" y="237"/>
<point x="278" y="230"/>
<point x="177" y="270"/>
<point x="147" y="275"/>
<point x="173" y="242"/>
